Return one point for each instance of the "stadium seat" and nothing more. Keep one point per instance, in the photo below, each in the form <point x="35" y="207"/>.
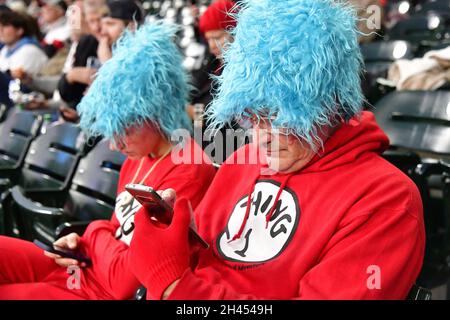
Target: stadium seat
<point x="3" y="112"/>
<point x="49" y="165"/>
<point x="417" y="120"/>
<point x="378" y="57"/>
<point x="421" y="30"/>
<point x="441" y="6"/>
<point x="16" y="134"/>
<point x="91" y="196"/>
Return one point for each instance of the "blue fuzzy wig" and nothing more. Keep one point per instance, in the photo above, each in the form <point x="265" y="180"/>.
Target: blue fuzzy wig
<point x="297" y="60"/>
<point x="144" y="81"/>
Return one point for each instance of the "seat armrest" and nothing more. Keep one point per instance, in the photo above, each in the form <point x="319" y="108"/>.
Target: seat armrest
<point x="31" y="206"/>
<point x="69" y="227"/>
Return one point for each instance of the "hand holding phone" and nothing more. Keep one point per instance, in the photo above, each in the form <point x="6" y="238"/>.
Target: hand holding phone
<point x="160" y="209"/>
<point x="63" y="252"/>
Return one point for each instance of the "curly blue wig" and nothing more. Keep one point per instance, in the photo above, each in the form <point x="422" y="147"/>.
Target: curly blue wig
<point x="297" y="60"/>
<point x="144" y="81"/>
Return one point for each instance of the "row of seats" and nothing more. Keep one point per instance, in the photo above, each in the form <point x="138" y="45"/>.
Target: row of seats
<point x="182" y="13"/>
<point x="51" y="177"/>
<point x="424" y="27"/>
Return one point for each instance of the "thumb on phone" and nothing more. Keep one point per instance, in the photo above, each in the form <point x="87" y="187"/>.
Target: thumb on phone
<point x="70" y="241"/>
<point x="168" y="195"/>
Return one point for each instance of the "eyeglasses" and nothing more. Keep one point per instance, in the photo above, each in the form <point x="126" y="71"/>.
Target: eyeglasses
<point x="249" y="121"/>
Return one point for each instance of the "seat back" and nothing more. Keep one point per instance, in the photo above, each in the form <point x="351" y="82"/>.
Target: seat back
<point x="16" y="133"/>
<point x="94" y="186"/>
<point x="386" y="51"/>
<point x="441" y="6"/>
<point x="378" y="57"/>
<point x="416" y="120"/>
<point x="90" y="197"/>
<point x="419" y="29"/>
<point x="52" y="157"/>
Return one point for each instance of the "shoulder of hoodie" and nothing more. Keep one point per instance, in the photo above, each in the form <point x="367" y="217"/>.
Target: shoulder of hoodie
<point x="383" y="187"/>
<point x="200" y="172"/>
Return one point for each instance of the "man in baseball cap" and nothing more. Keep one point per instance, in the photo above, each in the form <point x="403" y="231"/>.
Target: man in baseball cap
<point x="121" y="14"/>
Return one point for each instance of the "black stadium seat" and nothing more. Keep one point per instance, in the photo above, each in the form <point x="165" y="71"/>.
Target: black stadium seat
<point x="417" y="120"/>
<point x="91" y="196"/>
<point x="422" y="30"/>
<point x="49" y="165"/>
<point x="378" y="57"/>
<point x="441" y="6"/>
<point x="386" y="51"/>
<point x="16" y="134"/>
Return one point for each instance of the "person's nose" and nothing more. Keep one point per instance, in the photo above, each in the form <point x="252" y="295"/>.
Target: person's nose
<point x="212" y="45"/>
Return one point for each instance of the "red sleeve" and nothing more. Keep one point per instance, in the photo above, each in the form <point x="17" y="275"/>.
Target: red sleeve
<point x="366" y="259"/>
<point x="110" y="259"/>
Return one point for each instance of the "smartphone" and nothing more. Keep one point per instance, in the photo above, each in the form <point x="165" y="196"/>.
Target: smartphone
<point x="160" y="209"/>
<point x="65" y="253"/>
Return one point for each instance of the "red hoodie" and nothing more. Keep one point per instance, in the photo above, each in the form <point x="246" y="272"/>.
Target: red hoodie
<point x="347" y="226"/>
<point x="106" y="242"/>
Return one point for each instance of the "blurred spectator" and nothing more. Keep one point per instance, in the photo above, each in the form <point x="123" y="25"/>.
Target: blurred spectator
<point x="84" y="20"/>
<point x="54" y="25"/>
<point x="21" y="51"/>
<point x="84" y="63"/>
<point x="213" y="25"/>
<point x="121" y="14"/>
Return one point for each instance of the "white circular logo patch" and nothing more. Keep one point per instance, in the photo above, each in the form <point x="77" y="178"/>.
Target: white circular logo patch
<point x="260" y="241"/>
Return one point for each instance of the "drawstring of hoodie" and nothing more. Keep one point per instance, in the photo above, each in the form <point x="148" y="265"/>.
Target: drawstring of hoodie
<point x="247" y="211"/>
<point x="249" y="204"/>
<point x="283" y="185"/>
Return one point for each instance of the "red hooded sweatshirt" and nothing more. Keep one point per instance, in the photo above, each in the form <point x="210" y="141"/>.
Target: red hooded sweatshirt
<point x="106" y="241"/>
<point x="349" y="225"/>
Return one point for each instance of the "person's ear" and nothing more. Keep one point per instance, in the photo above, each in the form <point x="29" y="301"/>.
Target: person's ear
<point x="132" y="26"/>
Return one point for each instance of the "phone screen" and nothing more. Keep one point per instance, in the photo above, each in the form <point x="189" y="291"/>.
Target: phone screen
<point x="151" y="201"/>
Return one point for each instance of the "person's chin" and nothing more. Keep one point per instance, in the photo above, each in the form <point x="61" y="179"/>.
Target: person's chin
<point x="131" y="155"/>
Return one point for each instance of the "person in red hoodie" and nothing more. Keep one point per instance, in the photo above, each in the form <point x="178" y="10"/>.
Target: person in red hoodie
<point x="137" y="100"/>
<point x="314" y="211"/>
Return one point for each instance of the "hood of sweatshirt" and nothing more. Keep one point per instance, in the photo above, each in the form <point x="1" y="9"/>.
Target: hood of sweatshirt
<point x="353" y="139"/>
